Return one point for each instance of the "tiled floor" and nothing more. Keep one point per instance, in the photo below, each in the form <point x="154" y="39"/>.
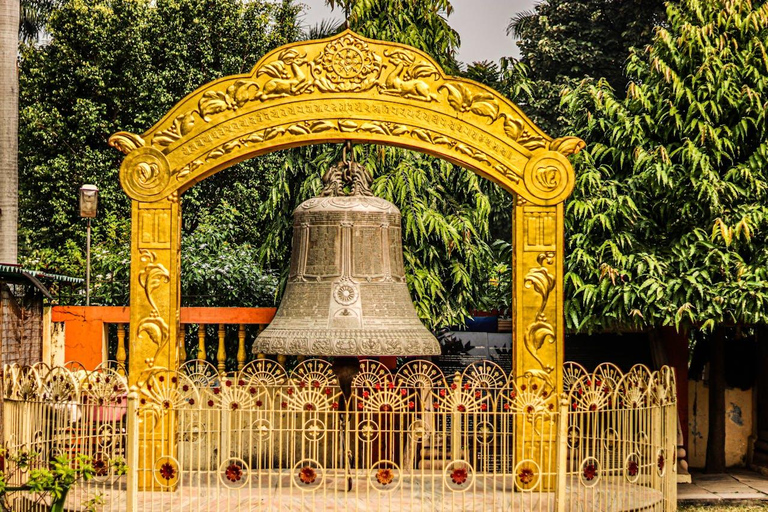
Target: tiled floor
<point x="737" y="484"/>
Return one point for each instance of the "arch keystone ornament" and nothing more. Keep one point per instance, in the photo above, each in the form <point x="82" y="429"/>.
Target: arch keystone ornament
<point x="346" y="88"/>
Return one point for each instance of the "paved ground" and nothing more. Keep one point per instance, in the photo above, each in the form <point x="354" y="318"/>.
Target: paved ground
<point x="738" y="485"/>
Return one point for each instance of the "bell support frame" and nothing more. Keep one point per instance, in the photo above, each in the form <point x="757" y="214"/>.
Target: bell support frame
<point x="347" y="88"/>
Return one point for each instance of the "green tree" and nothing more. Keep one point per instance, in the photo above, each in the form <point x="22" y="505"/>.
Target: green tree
<point x="668" y="222"/>
<point x="120" y="65"/>
<point x="563" y="41"/>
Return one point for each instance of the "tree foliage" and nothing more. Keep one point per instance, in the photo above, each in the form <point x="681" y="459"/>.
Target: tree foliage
<point x="116" y="65"/>
<point x="668" y="222"/>
<point x="564" y="41"/>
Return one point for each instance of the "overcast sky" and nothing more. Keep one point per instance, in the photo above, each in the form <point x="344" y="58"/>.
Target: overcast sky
<point x="482" y="25"/>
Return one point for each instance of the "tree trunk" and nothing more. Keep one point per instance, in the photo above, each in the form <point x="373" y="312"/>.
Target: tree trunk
<point x="716" y="437"/>
<point x="9" y="124"/>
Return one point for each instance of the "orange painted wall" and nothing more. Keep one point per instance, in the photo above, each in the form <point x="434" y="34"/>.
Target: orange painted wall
<point x="84" y="332"/>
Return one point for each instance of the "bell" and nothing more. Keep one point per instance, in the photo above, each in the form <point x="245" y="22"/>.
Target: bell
<point x="346" y="293"/>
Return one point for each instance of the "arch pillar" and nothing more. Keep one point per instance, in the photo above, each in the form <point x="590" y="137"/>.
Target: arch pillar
<point x="154" y="328"/>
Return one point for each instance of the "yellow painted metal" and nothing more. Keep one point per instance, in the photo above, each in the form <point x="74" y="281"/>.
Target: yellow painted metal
<point x="347" y="88"/>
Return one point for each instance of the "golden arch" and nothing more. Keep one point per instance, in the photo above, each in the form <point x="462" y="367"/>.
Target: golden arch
<point x="333" y="90"/>
<point x="347" y="88"/>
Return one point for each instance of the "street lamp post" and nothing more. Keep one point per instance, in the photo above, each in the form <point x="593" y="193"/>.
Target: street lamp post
<point x="89" y="200"/>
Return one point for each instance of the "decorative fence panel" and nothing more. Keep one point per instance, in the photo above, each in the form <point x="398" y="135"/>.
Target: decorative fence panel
<point x="264" y="438"/>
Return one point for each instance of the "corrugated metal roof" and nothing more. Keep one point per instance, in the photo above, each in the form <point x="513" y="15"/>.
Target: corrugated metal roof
<point x="16" y="270"/>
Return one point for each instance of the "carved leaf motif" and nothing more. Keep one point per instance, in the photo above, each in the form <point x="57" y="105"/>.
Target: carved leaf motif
<point x="298" y="129"/>
<point x="542" y="282"/>
<point x="321" y="126"/>
<point x="254" y="137"/>
<point x="126" y="142"/>
<point x="531" y="141"/>
<point x="180" y="126"/>
<point x="463" y="148"/>
<point x="443" y="140"/>
<point x="481" y="157"/>
<point x="152" y="277"/>
<point x="539" y="332"/>
<point x="190" y="167"/>
<point x="347" y="126"/>
<point x="463" y="99"/>
<point x="373" y="128"/>
<point x="421" y="135"/>
<point x="399" y="129"/>
<point x="271" y="133"/>
<point x="155" y="329"/>
<point x="423" y="69"/>
<point x="567" y="145"/>
<point x="212" y="103"/>
<point x="224" y="149"/>
<point x="513" y="127"/>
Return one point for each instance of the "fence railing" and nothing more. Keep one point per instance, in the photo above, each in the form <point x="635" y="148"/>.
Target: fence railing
<point x="264" y="438"/>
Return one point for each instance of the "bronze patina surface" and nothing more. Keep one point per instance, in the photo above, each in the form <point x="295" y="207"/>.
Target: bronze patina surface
<point x="346" y="292"/>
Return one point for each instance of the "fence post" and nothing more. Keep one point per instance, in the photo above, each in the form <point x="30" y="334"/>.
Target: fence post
<point x="221" y="354"/>
<point x="132" y="450"/>
<point x="561" y="466"/>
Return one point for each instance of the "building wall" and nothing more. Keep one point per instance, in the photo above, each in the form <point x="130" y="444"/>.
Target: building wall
<point x="739" y="420"/>
<point x="21" y="324"/>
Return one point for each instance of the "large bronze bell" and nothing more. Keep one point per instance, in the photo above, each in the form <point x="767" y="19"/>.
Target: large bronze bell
<point x="346" y="293"/>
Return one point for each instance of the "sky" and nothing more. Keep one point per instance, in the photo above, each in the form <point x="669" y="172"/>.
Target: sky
<point x="482" y="25"/>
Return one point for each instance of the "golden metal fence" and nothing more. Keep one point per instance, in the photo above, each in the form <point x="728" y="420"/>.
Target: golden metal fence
<point x="265" y="438"/>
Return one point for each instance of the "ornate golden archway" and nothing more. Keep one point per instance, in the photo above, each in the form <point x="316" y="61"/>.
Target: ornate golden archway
<point x="333" y="90"/>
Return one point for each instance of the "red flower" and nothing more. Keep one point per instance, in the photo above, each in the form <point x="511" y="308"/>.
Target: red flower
<point x="461" y="408"/>
<point x="660" y="462"/>
<point x="290" y="391"/>
<point x="234" y="406"/>
<point x="315" y="383"/>
<point x="366" y="394"/>
<point x="307" y="475"/>
<point x="483" y="407"/>
<point x="283" y="404"/>
<point x="309" y="407"/>
<point x="241" y="382"/>
<point x="377" y="386"/>
<point x="507" y="407"/>
<point x="633" y="468"/>
<point x="391" y="385"/>
<point x="459" y="475"/>
<point x="590" y="472"/>
<point x="403" y="392"/>
<point x="385" y="408"/>
<point x="478" y="394"/>
<point x="411" y="405"/>
<point x="191" y="401"/>
<point x="216" y="391"/>
<point x="167" y="471"/>
<point x="453" y="386"/>
<point x="442" y="392"/>
<point x="335" y="405"/>
<point x="526" y="476"/>
<point x="385" y="476"/>
<point x="259" y="403"/>
<point x="252" y="390"/>
<point x="234" y="473"/>
<point x="228" y="383"/>
<point x="100" y="467"/>
<point x="210" y="403"/>
<point x="166" y="404"/>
